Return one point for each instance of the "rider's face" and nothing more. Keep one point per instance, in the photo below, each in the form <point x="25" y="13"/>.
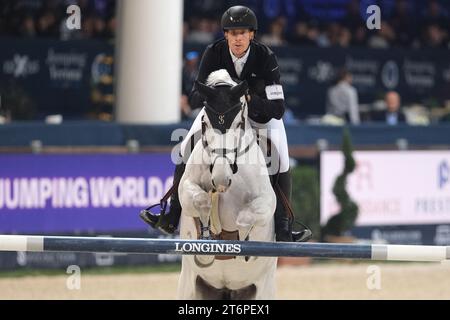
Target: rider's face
<point x="239" y="40"/>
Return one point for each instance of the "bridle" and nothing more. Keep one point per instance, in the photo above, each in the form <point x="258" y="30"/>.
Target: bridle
<point x="222" y="152"/>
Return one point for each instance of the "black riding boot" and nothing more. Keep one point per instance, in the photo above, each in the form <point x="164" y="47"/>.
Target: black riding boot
<point x="283" y="224"/>
<point x="283" y="221"/>
<point x="168" y="222"/>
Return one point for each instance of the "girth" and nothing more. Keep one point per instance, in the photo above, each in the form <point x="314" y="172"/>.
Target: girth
<point x="223" y="235"/>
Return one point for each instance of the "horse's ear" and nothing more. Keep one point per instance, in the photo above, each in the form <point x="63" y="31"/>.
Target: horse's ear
<point x="205" y="90"/>
<point x="239" y="90"/>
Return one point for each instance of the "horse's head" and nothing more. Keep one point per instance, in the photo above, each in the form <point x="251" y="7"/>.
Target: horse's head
<point x="222" y="125"/>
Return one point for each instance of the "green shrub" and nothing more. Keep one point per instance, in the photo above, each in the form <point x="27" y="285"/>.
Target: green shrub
<point x="306" y="197"/>
<point x="344" y="220"/>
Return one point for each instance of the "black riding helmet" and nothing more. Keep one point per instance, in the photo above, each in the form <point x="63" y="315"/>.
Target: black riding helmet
<point x="239" y="17"/>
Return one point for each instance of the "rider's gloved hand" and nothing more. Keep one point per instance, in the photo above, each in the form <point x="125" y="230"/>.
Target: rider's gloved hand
<point x="256" y="109"/>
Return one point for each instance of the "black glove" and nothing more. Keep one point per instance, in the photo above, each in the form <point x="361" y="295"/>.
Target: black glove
<point x="256" y="110"/>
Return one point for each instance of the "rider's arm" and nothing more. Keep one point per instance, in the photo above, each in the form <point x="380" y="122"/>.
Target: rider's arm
<point x="208" y="64"/>
<point x="269" y="104"/>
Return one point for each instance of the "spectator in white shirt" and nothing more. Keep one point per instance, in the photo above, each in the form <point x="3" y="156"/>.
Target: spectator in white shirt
<point x="342" y="99"/>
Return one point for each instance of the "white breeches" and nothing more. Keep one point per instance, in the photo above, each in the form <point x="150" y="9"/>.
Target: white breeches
<point x="275" y="132"/>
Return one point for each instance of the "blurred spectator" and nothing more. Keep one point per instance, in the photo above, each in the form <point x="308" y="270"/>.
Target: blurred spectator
<point x="202" y="31"/>
<point x="345" y="37"/>
<point x="352" y="19"/>
<point x="28" y="28"/>
<point x="335" y="35"/>
<point x="47" y="25"/>
<point x="393" y="114"/>
<point x="359" y="36"/>
<point x="382" y="38"/>
<point x="99" y="27"/>
<point x="300" y="35"/>
<point x="304" y="34"/>
<point x="190" y="70"/>
<point x="342" y="99"/>
<point x="111" y="27"/>
<point x="329" y="38"/>
<point x="402" y="23"/>
<point x="342" y="22"/>
<point x="276" y="36"/>
<point x="435" y="14"/>
<point x="434" y="37"/>
<point x="47" y="18"/>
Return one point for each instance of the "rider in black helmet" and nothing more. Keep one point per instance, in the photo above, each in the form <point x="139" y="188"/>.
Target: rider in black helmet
<point x="245" y="59"/>
<point x="239" y="17"/>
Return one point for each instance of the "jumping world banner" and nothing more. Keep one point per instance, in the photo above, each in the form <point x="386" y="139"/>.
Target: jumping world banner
<point x="80" y="193"/>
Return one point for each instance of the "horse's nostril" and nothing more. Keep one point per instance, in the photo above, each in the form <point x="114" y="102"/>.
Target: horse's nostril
<point x="213" y="183"/>
<point x="229" y="182"/>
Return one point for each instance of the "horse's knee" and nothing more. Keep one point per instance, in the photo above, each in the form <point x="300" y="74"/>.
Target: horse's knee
<point x="246" y="219"/>
<point x="201" y="201"/>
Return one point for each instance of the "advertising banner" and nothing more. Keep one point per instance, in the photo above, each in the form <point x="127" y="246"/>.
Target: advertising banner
<point x="73" y="72"/>
<point x="80" y="193"/>
<point x="391" y="188"/>
<point x="59" y="77"/>
<point x="307" y="73"/>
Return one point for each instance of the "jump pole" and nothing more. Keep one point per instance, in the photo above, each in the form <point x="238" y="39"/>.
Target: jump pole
<point x="379" y="252"/>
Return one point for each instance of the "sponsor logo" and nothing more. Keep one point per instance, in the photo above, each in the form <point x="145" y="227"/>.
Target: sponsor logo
<point x="274" y="92"/>
<point x="65" y="66"/>
<point x="419" y="74"/>
<point x="189" y="247"/>
<point x="322" y="71"/>
<point x="390" y="74"/>
<point x="413" y="237"/>
<point x="102" y="69"/>
<point x="21" y="66"/>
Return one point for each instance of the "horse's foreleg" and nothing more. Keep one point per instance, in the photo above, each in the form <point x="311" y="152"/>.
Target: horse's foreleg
<point x="258" y="212"/>
<point x="195" y="201"/>
<point x="198" y="204"/>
